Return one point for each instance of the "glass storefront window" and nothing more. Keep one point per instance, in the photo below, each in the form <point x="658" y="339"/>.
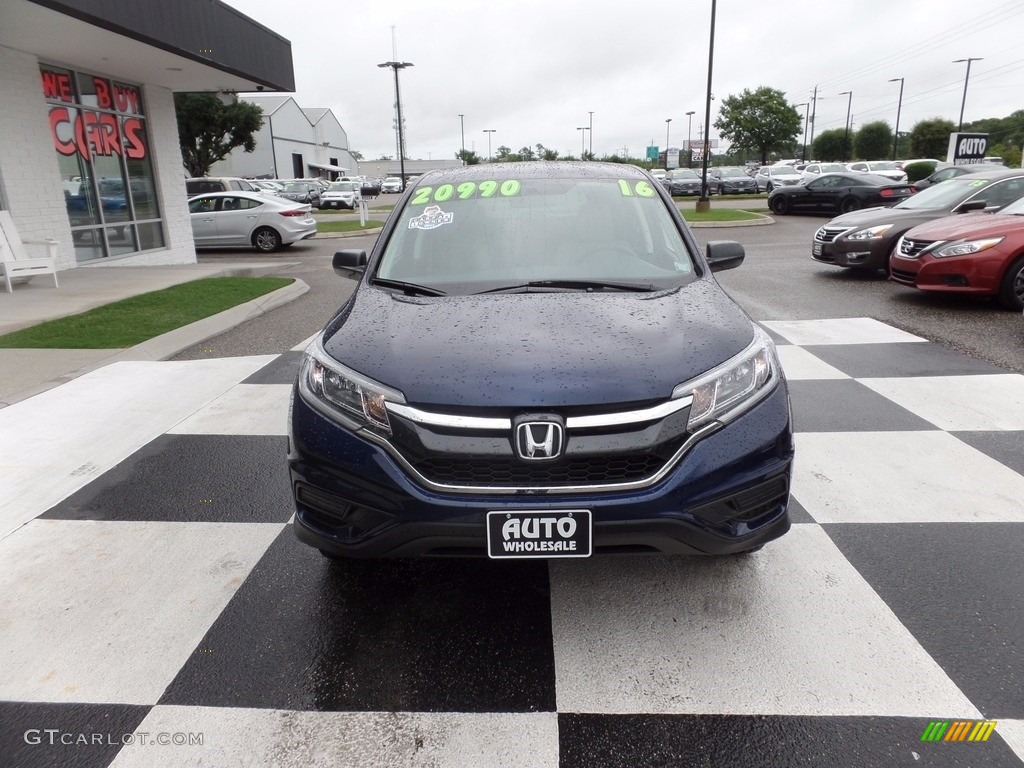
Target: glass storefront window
<point x="99" y="132"/>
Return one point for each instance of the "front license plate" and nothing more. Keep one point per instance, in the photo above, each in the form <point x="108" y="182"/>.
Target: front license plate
<point x="548" y="533"/>
<point x="816" y="249"/>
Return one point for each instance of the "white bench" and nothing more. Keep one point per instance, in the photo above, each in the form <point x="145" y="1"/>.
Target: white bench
<point x="15" y="263"/>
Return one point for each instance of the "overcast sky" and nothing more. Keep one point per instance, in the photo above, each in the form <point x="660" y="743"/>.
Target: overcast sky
<point x="533" y="71"/>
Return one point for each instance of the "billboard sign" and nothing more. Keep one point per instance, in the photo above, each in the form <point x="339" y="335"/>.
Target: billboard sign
<point x="967" y="148"/>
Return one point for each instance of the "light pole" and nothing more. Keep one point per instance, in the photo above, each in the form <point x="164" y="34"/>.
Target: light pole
<point x="591" y="129"/>
<point x="397" y="65"/>
<point x="489" y="131"/>
<point x="846" y="136"/>
<point x="689" y="138"/>
<point x="667" y="121"/>
<point x="803" y="154"/>
<point x="583" y="141"/>
<point x="964" y="100"/>
<point x="899" y="107"/>
<point x="462" y="127"/>
<point x="704" y="202"/>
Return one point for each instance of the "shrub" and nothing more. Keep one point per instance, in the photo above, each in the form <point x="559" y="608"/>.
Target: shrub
<point x="918" y="171"/>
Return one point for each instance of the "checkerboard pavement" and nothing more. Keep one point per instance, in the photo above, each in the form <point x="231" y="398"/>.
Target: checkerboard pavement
<point x="151" y="590"/>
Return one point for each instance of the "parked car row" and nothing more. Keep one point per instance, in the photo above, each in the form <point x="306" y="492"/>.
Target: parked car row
<point x="965" y="235"/>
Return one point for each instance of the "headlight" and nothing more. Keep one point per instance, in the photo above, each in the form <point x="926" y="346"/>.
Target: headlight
<point x="870" y="233"/>
<point x="965" y="247"/>
<point x="330" y="386"/>
<point x="733" y="387"/>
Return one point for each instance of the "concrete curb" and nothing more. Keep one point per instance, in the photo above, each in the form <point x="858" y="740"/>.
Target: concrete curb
<point x="171" y="343"/>
<point x="341" y="235"/>
<point x="759" y="222"/>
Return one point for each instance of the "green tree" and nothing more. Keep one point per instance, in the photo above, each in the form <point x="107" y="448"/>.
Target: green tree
<point x="208" y="129"/>
<point x="873" y="141"/>
<point x="356" y="154"/>
<point x="930" y="138"/>
<point x="544" y="153"/>
<point x="830" y="146"/>
<point x="502" y="154"/>
<point x="759" y="121"/>
<point x="468" y="156"/>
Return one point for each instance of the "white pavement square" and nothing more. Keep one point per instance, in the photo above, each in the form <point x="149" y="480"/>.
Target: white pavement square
<point x="671" y="635"/>
<point x="850" y="330"/>
<point x="902" y="477"/>
<point x="959" y="403"/>
<point x="245" y="409"/>
<point x="243" y="738"/>
<point x="109" y="612"/>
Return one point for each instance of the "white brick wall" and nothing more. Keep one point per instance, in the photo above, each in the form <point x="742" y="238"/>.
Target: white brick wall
<point x="30" y="179"/>
<point x="32" y="189"/>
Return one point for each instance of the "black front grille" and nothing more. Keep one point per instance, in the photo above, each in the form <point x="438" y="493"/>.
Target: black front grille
<point x="911" y="248"/>
<point x="828" y="234"/>
<point x="501" y="472"/>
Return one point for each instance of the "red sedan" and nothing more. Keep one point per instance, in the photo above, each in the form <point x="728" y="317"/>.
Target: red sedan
<point x="978" y="253"/>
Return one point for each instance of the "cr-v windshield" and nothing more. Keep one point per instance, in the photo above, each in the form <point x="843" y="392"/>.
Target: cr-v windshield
<point x="484" y="234"/>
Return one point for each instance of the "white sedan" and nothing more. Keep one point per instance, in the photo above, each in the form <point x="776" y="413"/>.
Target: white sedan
<point x="246" y="218"/>
<point x="880" y="168"/>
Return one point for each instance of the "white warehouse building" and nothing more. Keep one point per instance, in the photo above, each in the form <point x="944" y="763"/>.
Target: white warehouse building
<point x="294" y="143"/>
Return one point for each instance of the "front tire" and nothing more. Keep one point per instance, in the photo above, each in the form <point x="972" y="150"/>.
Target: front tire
<point x="779" y="204"/>
<point x="266" y="240"/>
<point x="1011" y="289"/>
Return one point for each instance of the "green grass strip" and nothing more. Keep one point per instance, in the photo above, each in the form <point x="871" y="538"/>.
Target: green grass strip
<point x="132" y="321"/>
<point x="722" y="214"/>
<point x="346" y="226"/>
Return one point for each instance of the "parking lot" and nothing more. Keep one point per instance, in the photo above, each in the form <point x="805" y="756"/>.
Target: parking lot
<point x="157" y="589"/>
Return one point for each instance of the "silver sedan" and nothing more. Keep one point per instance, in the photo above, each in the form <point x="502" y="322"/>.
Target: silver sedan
<point x="246" y="218"/>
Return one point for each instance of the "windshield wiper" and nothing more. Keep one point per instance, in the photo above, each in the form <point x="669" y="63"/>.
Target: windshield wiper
<point x="410" y="289"/>
<point x="580" y="285"/>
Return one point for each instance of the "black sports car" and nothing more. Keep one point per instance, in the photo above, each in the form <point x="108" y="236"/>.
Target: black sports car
<point x="839" y="193"/>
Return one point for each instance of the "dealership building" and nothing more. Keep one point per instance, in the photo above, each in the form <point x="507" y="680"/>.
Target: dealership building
<point x="89" y="152"/>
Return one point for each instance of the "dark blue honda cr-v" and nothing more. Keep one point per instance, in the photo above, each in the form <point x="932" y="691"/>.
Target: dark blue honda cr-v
<point x="538" y="362"/>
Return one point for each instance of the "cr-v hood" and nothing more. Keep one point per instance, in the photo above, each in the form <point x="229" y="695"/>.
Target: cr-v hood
<point x="543" y="350"/>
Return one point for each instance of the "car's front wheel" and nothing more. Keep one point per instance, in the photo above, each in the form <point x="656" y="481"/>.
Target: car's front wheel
<point x="779" y="204"/>
<point x="1011" y="291"/>
<point x="266" y="240"/>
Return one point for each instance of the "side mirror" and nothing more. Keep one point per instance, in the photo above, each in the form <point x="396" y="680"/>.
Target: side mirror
<point x="972" y="205"/>
<point x="724" y="254"/>
<point x="349" y="263"/>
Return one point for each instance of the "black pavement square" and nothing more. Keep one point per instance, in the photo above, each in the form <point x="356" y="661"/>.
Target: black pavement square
<point x="281" y="370"/>
<point x="845" y="405"/>
<point x="427" y="635"/>
<point x="959" y="589"/>
<point x="905" y="359"/>
<point x="191" y="478"/>
<point x="65" y="735"/>
<point x="797" y="513"/>
<point x="1005" y="447"/>
<point x="762" y="741"/>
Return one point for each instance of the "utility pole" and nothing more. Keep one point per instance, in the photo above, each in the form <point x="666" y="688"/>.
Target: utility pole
<point x="814" y="112"/>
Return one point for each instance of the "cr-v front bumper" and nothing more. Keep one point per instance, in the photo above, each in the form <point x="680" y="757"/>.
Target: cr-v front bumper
<point x="727" y="493"/>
